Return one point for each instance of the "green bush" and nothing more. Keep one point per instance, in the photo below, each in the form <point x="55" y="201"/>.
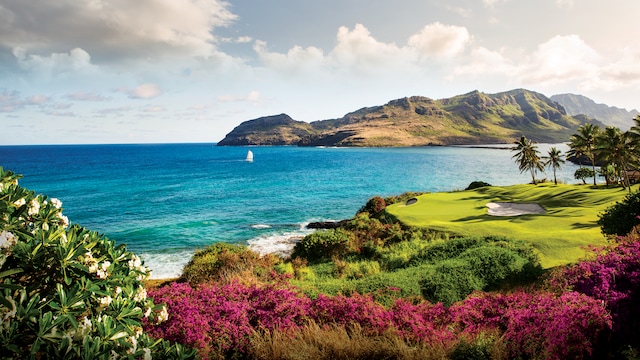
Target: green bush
<point x="620" y="218"/>
<point x="450" y="281"/>
<point x="493" y="264"/>
<point x="222" y="261"/>
<point x="323" y="245"/>
<point x="67" y="292"/>
<point x="477" y="184"/>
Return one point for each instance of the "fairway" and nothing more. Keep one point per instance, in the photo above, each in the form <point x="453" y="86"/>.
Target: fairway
<point x="560" y="235"/>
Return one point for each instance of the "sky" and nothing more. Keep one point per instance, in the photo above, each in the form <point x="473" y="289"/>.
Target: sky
<point x="173" y="71"/>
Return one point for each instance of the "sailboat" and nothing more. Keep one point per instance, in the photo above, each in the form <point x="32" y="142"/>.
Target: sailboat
<point x="249" y="156"/>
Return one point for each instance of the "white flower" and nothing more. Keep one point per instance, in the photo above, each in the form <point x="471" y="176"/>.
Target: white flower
<point x="65" y="220"/>
<point x="147" y="313"/>
<point x="93" y="268"/>
<point x="103" y="271"/>
<point x="105" y="301"/>
<point x="10" y="313"/>
<point x="147" y="354"/>
<point x="84" y="329"/>
<point x="137" y="331"/>
<point x="134" y="262"/>
<point x="19" y="202"/>
<point x="140" y="295"/>
<point x="34" y="207"/>
<point x="134" y="341"/>
<point x="56" y="203"/>
<point x="118" y="290"/>
<point x="163" y="315"/>
<point x="7" y="240"/>
<point x="102" y="274"/>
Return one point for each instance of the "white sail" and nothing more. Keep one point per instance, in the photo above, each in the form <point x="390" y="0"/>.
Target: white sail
<point x="249" y="156"/>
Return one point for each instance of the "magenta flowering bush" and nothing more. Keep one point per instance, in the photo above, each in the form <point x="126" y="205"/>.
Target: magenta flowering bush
<point x="539" y="325"/>
<point x="218" y="319"/>
<point x="612" y="277"/>
<point x="360" y="309"/>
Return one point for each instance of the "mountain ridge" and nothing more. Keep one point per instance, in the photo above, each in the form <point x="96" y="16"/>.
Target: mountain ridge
<point x="468" y="119"/>
<point x="609" y="115"/>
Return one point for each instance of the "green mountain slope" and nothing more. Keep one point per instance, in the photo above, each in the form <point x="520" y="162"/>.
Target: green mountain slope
<point x="473" y="118"/>
<point x="578" y="104"/>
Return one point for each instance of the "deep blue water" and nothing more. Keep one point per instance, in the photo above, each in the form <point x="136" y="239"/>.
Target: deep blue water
<point x="166" y="200"/>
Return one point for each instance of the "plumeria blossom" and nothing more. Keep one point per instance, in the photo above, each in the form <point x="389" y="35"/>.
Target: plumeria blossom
<point x="7" y="240"/>
<point x="34" y="207"/>
<point x="20" y="202"/>
<point x="56" y="203"/>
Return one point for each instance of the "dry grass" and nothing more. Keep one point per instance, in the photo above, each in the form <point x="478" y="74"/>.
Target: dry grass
<point x="337" y="343"/>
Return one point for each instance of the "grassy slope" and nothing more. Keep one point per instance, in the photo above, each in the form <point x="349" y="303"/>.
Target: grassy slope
<point x="559" y="235"/>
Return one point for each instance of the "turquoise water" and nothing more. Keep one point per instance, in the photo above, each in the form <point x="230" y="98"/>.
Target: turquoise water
<point x="166" y="200"/>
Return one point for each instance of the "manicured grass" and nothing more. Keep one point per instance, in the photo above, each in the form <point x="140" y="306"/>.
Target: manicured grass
<point x="560" y="235"/>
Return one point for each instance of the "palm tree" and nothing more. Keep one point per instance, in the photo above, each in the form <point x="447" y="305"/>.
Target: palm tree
<point x="554" y="160"/>
<point x="583" y="143"/>
<point x="615" y="148"/>
<point x="527" y="157"/>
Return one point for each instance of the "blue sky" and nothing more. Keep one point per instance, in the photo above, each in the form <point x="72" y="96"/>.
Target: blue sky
<point x="121" y="71"/>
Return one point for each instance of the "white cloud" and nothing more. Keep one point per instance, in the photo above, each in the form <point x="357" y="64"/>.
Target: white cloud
<point x="253" y="97"/>
<point x="38" y="99"/>
<point x="483" y="61"/>
<point x="562" y="59"/>
<point x="565" y="3"/>
<point x="440" y="41"/>
<point x="296" y="59"/>
<point x="358" y="48"/>
<point x="144" y="91"/>
<point x="86" y="96"/>
<point x="10" y="101"/>
<point x="56" y="64"/>
<point x="154" y="109"/>
<point x="109" y="28"/>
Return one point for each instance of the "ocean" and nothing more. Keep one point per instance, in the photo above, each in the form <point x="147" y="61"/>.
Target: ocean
<point x="165" y="201"/>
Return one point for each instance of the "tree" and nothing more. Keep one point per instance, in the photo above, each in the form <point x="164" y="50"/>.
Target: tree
<point x="527" y="157"/>
<point x="554" y="160"/>
<point x="583" y="143"/>
<point x="615" y="148"/>
<point x="583" y="173"/>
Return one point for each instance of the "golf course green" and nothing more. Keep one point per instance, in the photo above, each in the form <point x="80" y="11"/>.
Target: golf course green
<point x="560" y="235"/>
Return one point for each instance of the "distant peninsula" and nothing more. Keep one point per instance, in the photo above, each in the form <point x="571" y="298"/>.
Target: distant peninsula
<point x="469" y="119"/>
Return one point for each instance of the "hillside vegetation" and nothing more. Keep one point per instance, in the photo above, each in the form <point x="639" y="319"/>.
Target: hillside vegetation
<point x="473" y="118"/>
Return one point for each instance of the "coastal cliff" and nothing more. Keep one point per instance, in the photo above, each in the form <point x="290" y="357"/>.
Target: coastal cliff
<point x="473" y="118"/>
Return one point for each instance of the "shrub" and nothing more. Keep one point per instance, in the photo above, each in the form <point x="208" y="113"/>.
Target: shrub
<point x="222" y="261"/>
<point x="620" y="218"/>
<point x="323" y="245"/>
<point x="68" y="292"/>
<point x="450" y="281"/>
<point x="218" y="319"/>
<point x="477" y="184"/>
<point x="537" y="325"/>
<point x="375" y="205"/>
<point x="493" y="264"/>
<point x="612" y="277"/>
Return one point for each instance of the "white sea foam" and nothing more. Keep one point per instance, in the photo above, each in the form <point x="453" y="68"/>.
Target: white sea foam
<point x="261" y="226"/>
<point x="166" y="265"/>
<point x="279" y="244"/>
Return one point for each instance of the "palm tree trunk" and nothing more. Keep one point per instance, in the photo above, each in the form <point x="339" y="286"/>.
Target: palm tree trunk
<point x="555" y="181"/>
<point x="533" y="176"/>
<point x="593" y="167"/>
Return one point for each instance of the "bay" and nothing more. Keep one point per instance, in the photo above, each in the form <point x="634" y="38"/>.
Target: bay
<point x="164" y="201"/>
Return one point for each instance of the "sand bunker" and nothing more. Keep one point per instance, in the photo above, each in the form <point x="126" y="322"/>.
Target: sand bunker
<point x="514" y="209"/>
